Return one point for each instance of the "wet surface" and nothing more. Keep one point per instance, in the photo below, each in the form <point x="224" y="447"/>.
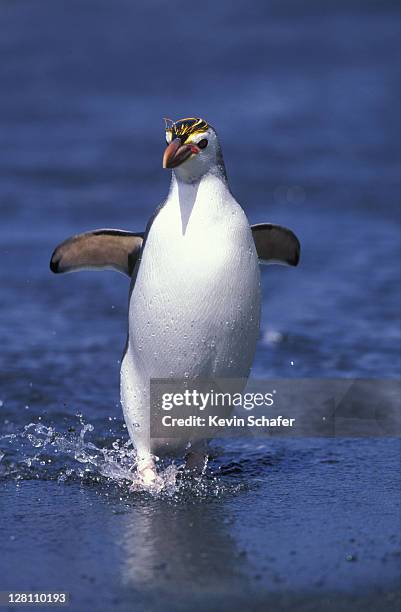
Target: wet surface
<point x="305" y="102"/>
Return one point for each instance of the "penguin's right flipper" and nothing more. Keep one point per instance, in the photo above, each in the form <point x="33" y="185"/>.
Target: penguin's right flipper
<point x="98" y="250"/>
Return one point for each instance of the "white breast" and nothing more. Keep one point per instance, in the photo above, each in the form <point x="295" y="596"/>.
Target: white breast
<point x="195" y="305"/>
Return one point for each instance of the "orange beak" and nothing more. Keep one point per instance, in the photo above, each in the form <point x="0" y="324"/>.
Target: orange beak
<point x="176" y="153"/>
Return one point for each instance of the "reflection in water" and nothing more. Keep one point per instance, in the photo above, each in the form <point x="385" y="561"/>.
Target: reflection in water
<point x="189" y="542"/>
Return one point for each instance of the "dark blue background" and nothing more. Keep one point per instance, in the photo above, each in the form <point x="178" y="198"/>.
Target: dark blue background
<point x="305" y="98"/>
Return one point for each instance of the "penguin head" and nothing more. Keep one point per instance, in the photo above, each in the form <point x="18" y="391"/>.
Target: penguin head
<point x="193" y="149"/>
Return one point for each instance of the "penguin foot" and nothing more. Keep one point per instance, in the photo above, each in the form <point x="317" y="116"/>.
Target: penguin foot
<point x="196" y="463"/>
<point x="147" y="476"/>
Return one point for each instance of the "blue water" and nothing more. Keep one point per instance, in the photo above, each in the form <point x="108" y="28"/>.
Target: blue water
<point x="305" y="99"/>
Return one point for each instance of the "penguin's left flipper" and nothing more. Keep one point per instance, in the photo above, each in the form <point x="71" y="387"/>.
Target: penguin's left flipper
<point x="276" y="244"/>
<point x="98" y="250"/>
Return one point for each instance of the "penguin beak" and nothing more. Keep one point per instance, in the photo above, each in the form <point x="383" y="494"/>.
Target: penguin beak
<point x="176" y="153"/>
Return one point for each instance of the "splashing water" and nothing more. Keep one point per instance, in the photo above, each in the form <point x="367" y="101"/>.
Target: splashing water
<point x="38" y="451"/>
<point x="116" y="464"/>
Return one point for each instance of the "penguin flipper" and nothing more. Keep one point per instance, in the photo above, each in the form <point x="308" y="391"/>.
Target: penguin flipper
<point x="276" y="244"/>
<point x="100" y="249"/>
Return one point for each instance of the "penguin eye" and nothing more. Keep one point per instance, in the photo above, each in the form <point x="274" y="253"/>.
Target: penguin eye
<point x="202" y="144"/>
